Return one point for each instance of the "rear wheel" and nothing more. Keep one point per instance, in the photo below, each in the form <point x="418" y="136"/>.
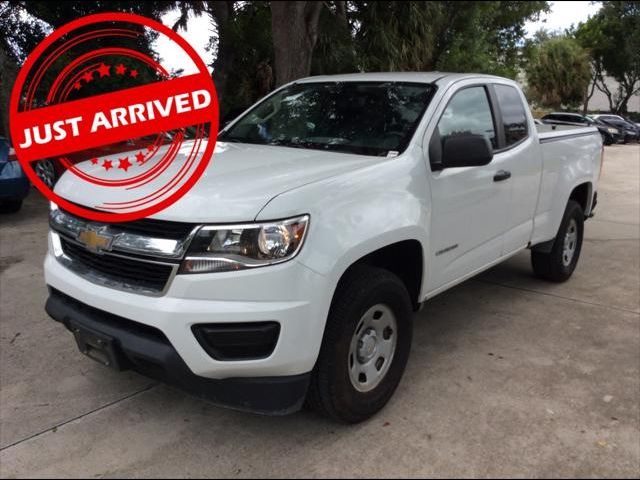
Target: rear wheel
<point x="365" y="347"/>
<point x="559" y="263"/>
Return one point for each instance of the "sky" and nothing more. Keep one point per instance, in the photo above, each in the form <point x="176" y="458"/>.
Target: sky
<point x="562" y="16"/>
<point x="197" y="34"/>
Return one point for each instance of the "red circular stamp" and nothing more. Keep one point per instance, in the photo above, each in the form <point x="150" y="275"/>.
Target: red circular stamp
<point x="131" y="134"/>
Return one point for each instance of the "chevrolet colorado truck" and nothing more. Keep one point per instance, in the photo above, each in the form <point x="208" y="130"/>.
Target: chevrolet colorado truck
<point x="332" y="209"/>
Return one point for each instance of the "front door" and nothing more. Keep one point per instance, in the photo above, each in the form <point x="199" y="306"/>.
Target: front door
<point x="469" y="204"/>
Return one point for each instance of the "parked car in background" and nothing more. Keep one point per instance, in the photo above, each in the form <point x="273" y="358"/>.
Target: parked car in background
<point x="630" y="131"/>
<point x="608" y="133"/>
<point x="14" y="185"/>
<point x="629" y="120"/>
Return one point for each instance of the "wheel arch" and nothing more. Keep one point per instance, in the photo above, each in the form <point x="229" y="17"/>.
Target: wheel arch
<point x="404" y="259"/>
<point x="582" y="194"/>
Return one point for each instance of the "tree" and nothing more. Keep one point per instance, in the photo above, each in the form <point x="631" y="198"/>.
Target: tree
<point x="335" y="50"/>
<point x="248" y="68"/>
<point x="612" y="37"/>
<point x="19" y="37"/>
<point x="458" y="36"/>
<point x="294" y="29"/>
<point x="25" y="24"/>
<point x="557" y="72"/>
<point x="222" y="15"/>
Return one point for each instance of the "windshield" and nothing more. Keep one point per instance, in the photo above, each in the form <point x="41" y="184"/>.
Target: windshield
<point x="369" y="118"/>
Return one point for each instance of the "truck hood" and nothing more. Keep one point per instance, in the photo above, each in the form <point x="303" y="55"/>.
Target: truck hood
<point x="238" y="183"/>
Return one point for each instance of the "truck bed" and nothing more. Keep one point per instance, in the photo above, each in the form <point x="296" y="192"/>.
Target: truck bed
<point x="551" y="133"/>
<point x="570" y="155"/>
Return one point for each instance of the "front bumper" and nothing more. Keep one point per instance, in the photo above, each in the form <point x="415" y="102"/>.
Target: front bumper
<point x="147" y="351"/>
<point x="290" y="294"/>
<point x="616" y="137"/>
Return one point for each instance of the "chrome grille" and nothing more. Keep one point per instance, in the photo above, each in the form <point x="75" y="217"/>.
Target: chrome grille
<point x="149" y="227"/>
<point x="141" y="256"/>
<point x="141" y="275"/>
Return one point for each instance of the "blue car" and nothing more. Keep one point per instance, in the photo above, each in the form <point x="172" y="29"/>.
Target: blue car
<point x="14" y="185"/>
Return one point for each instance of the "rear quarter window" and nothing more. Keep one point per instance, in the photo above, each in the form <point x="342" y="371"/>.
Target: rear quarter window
<point x="514" y="117"/>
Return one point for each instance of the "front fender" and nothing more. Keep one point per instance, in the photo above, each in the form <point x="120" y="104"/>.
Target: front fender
<point x="357" y="213"/>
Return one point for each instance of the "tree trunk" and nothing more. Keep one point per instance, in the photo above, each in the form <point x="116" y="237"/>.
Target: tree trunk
<point x="601" y="84"/>
<point x="587" y="96"/>
<point x="222" y="14"/>
<point x="629" y="86"/>
<point x="341" y="14"/>
<point x="294" y="28"/>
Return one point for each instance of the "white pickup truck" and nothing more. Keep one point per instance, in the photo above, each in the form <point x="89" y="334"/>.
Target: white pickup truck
<point x="331" y="211"/>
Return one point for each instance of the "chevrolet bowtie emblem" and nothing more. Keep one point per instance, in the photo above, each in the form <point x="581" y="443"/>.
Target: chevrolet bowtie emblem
<point x="96" y="241"/>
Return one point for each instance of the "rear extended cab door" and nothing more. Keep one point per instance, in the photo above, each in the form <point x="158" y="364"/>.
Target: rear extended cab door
<point x="520" y="155"/>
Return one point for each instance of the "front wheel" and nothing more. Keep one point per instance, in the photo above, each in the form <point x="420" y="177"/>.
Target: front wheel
<point x="365" y="347"/>
<point x="558" y="264"/>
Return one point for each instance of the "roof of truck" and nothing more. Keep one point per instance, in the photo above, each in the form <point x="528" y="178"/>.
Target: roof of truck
<point x="417" y="77"/>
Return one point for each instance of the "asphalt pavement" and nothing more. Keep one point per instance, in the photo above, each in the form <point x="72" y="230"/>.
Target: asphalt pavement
<point x="508" y="376"/>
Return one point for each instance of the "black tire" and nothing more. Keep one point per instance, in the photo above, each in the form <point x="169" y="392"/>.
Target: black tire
<point x="606" y="140"/>
<point x="551" y="265"/>
<point x="10" y="206"/>
<point x="331" y="391"/>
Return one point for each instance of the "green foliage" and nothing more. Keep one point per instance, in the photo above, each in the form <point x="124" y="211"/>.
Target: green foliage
<point x="334" y="51"/>
<point x="557" y="72"/>
<point x="249" y="34"/>
<point x="456" y="36"/>
<point x="24" y="24"/>
<point x="612" y="37"/>
<point x="396" y="36"/>
<point x="463" y="36"/>
<point x="36" y="19"/>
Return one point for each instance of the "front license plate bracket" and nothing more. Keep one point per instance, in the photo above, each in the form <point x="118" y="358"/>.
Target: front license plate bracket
<point x="97" y="346"/>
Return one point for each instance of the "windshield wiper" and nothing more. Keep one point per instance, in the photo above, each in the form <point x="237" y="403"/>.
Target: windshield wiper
<point x="283" y="143"/>
<point x="229" y="138"/>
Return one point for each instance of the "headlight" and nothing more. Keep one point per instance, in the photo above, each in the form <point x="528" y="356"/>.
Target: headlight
<point x="227" y="248"/>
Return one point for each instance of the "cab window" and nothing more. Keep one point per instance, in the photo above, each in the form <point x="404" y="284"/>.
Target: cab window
<point x="514" y="117"/>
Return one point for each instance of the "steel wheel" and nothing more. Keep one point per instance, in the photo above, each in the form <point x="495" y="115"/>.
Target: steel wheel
<point x="46" y="171"/>
<point x="570" y="243"/>
<point x="372" y="348"/>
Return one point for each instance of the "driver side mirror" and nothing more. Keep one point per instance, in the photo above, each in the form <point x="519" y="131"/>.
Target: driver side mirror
<point x="466" y="151"/>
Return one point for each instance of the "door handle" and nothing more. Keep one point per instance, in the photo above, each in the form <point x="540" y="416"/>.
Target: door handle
<point x="501" y="176"/>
